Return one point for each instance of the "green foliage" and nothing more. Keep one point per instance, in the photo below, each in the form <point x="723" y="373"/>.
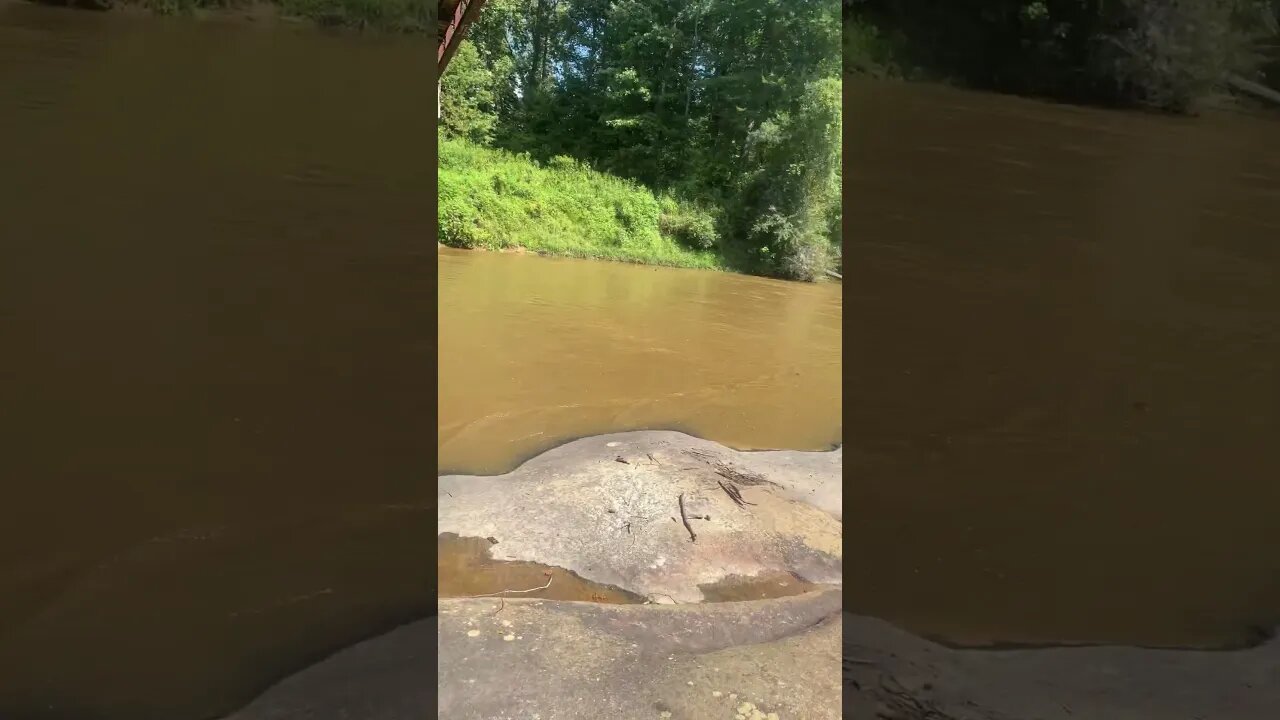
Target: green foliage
<point x="397" y="15"/>
<point x="1167" y="54"/>
<point x="468" y="97"/>
<point x="496" y="199"/>
<point x="174" y="7"/>
<point x="689" y="223"/>
<point x="868" y="51"/>
<point x="704" y="100"/>
<point x="796" y="182"/>
<point x="394" y="15"/>
<point x="1172" y="54"/>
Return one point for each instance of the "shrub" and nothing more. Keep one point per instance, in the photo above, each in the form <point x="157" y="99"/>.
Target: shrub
<point x="689" y="224"/>
<point x="496" y="199"/>
<point x="1172" y="54"/>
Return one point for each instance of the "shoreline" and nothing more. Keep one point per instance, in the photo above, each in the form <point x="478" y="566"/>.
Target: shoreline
<point x="703" y="659"/>
<point x="521" y="250"/>
<point x="889" y="672"/>
<point x="258" y="12"/>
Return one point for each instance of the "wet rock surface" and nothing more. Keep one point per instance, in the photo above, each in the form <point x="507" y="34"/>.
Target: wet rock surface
<point x="386" y="678"/>
<point x="654" y="513"/>
<point x="650" y="513"/>
<point x="764" y="659"/>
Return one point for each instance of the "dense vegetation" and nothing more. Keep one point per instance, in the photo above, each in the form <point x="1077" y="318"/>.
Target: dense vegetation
<point x="1167" y="54"/>
<point x="727" y="110"/>
<point x="494" y="199"/>
<point x="394" y="15"/>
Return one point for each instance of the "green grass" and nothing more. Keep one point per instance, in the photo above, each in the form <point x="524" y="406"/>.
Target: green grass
<point x="493" y="199"/>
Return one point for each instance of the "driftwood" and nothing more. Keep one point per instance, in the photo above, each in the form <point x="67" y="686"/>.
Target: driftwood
<point x="693" y="537"/>
<point x="728" y="472"/>
<point x="732" y="491"/>
<point x="502" y="594"/>
<point x="1252" y="88"/>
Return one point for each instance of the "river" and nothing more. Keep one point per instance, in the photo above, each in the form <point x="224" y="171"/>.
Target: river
<point x="215" y="313"/>
<point x="537" y="351"/>
<point x="1062" y="395"/>
<point x="1059" y="397"/>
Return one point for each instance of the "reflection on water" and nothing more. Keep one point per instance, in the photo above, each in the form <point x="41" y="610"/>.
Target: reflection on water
<point x="1063" y="382"/>
<point x="214" y="336"/>
<point x="534" y="351"/>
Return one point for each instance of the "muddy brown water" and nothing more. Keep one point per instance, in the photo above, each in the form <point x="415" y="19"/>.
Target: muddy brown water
<point x="215" y="319"/>
<point x="537" y="351"/>
<point x="465" y="567"/>
<point x="1063" y="391"/>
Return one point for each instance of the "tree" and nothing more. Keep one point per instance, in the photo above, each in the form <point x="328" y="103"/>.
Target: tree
<point x="468" y="97"/>
<point x="721" y="101"/>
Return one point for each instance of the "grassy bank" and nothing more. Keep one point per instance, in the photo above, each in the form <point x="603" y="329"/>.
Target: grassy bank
<point x="493" y="199"/>
<point x="408" y="16"/>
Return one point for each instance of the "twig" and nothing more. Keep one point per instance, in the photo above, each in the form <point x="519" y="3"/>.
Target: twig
<point x="728" y="472"/>
<point x="502" y="592"/>
<point x="693" y="537"/>
<point x="502" y="597"/>
<point x="734" y="495"/>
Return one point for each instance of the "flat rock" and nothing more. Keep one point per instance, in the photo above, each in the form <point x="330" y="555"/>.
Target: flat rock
<point x="385" y="678"/>
<point x="606" y="508"/>
<point x="565" y="660"/>
<point x="891" y="674"/>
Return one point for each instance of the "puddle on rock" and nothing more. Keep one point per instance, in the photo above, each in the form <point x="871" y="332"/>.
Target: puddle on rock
<point x="464" y="568"/>
<point x="756" y="587"/>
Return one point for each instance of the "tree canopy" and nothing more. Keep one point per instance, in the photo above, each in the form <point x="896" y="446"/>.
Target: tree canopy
<point x="1168" y="54"/>
<point x="733" y="104"/>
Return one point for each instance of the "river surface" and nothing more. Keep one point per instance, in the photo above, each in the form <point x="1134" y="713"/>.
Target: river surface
<point x="215" y="343"/>
<point x="537" y="351"/>
<point x="1062" y="383"/>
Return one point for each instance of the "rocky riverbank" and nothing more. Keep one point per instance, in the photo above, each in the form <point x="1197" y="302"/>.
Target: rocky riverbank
<point x="678" y="522"/>
<point x="606" y="511"/>
<point x="890" y="674"/>
<point x="656" y="513"/>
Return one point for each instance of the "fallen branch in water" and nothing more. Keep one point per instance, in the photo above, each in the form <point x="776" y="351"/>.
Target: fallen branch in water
<point x="693" y="537"/>
<point x="502" y="594"/>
